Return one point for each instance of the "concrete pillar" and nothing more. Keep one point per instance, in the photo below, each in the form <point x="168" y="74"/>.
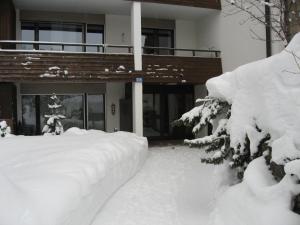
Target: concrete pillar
<point x="136" y="34"/>
<point x="137" y="110"/>
<point x="137" y="87"/>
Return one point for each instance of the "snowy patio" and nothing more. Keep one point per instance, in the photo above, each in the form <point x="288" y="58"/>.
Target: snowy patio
<point x="173" y="188"/>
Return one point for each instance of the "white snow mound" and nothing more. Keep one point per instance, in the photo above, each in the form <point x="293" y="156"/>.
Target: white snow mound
<point x="264" y="93"/>
<point x="64" y="180"/>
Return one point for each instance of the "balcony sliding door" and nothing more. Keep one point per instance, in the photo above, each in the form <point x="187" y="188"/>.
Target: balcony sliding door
<point x="158" y="38"/>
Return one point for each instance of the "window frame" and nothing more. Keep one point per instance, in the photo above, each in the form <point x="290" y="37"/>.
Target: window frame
<point x="84" y="27"/>
<point x="156" y="33"/>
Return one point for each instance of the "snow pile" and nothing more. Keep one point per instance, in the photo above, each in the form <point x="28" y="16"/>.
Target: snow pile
<point x="66" y="179"/>
<point x="4" y="129"/>
<point x="263" y="94"/>
<point x="258" y="200"/>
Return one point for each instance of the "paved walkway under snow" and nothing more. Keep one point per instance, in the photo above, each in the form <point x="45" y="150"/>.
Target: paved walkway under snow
<point x="173" y="188"/>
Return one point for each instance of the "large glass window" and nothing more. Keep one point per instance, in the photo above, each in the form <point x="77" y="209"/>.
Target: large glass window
<point x="79" y="111"/>
<point x="27" y="34"/>
<point x="162" y="105"/>
<point x="94" y="35"/>
<point x="158" y="38"/>
<point x="96" y="115"/>
<point x="151" y="109"/>
<point x="62" y="32"/>
<point x="29" y="114"/>
<point x="72" y="109"/>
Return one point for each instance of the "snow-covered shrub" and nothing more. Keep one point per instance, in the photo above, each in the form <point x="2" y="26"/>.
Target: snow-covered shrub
<point x="53" y="120"/>
<point x="4" y="129"/>
<point x="218" y="144"/>
<point x="261" y="127"/>
<point x="260" y="107"/>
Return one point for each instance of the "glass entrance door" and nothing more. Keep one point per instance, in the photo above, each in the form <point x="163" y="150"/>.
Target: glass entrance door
<point x="163" y="105"/>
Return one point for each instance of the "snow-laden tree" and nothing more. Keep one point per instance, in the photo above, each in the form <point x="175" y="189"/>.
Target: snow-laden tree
<point x="218" y="145"/>
<point x="53" y="119"/>
<point x="280" y="16"/>
<point x="4" y="129"/>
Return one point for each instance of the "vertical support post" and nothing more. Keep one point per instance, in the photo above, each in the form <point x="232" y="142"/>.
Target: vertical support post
<point x="268" y="30"/>
<point x="137" y="87"/>
<point x="136" y="34"/>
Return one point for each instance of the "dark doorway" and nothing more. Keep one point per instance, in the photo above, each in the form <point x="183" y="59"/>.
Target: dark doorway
<point x="8" y="104"/>
<point x="162" y="105"/>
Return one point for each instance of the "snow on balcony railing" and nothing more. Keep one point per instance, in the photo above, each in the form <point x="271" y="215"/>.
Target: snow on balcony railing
<point x="44" y="46"/>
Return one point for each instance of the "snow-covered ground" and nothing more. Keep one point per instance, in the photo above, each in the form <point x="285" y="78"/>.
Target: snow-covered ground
<point x="172" y="188"/>
<point x="64" y="180"/>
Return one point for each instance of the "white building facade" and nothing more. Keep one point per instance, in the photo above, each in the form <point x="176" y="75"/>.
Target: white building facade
<point x="116" y="65"/>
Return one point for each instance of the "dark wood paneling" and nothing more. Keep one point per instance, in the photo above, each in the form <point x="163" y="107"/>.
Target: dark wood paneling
<point x="211" y="4"/>
<point x="7" y="20"/>
<point x="72" y="67"/>
<point x="168" y="69"/>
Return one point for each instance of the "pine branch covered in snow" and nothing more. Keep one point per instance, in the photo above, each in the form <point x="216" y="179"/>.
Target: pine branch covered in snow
<point x="218" y="145"/>
<point x="203" y="114"/>
<point x="53" y="120"/>
<point x="4" y="129"/>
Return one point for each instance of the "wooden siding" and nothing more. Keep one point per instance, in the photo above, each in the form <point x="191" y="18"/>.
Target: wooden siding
<point x="176" y="69"/>
<point x="7" y="20"/>
<point x="73" y="67"/>
<point x="211" y="4"/>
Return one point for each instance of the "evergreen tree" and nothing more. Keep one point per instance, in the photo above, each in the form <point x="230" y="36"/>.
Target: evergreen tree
<point x="4" y="129"/>
<point x="218" y="144"/>
<point x="53" y="119"/>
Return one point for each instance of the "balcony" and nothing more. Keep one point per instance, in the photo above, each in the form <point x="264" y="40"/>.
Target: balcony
<point x="104" y="64"/>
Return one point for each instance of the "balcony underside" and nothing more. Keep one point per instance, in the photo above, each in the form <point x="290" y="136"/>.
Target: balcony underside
<point x="211" y="4"/>
<point x="81" y="67"/>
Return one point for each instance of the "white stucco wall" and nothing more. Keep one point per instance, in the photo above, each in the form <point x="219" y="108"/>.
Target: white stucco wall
<point x="118" y="31"/>
<point x="226" y="33"/>
<point x="185" y="35"/>
<point x="229" y="34"/>
<point x="114" y="92"/>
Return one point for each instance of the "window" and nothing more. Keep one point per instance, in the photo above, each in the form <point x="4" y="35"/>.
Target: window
<point x="62" y="32"/>
<point x="81" y="110"/>
<point x="94" y="35"/>
<point x="158" y="38"/>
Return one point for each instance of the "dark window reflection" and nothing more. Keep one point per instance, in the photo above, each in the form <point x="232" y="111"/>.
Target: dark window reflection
<point x="29" y="114"/>
<point x="158" y="38"/>
<point x="151" y="109"/>
<point x="62" y="32"/>
<point x="94" y="35"/>
<point x="96" y="117"/>
<point x="72" y="109"/>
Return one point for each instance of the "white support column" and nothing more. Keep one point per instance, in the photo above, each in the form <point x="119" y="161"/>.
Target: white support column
<point x="137" y="87"/>
<point x="137" y="108"/>
<point x="136" y="34"/>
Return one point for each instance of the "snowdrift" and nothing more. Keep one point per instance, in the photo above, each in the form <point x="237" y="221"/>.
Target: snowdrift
<point x="266" y="94"/>
<point x="64" y="180"/>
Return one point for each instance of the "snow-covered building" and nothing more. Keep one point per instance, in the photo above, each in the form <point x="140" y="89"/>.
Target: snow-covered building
<point x="115" y="64"/>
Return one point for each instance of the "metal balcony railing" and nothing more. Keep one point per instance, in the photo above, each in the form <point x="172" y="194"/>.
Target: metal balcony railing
<point x="60" y="46"/>
<point x="44" y="46"/>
